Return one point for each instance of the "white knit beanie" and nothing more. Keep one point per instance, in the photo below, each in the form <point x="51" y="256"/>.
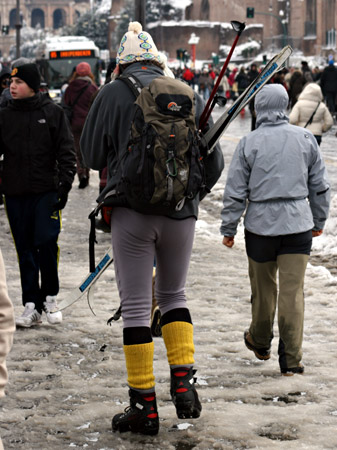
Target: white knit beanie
<point x="137" y="45"/>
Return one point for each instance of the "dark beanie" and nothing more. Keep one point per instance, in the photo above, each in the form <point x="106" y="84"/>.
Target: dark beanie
<point x="30" y="74"/>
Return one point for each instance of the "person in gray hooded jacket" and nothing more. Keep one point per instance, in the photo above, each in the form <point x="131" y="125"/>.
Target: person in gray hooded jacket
<point x="277" y="175"/>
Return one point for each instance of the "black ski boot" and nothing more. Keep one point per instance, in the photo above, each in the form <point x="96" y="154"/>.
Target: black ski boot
<point x="184" y="394"/>
<point x="140" y="417"/>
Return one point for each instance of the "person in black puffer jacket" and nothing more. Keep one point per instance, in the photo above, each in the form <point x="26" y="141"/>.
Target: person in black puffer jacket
<point x="39" y="168"/>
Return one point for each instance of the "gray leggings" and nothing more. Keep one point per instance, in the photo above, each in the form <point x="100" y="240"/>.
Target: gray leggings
<point x="137" y="241"/>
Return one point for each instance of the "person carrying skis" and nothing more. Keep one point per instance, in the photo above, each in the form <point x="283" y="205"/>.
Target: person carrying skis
<point x="275" y="170"/>
<point x="139" y="238"/>
<point x="39" y="168"/>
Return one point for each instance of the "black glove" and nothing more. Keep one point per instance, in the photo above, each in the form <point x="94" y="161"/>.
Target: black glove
<point x="63" y="198"/>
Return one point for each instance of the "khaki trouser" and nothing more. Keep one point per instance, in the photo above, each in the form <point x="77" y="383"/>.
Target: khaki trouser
<point x="291" y="268"/>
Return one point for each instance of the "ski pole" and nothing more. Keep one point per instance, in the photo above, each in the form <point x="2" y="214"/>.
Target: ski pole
<point x="211" y="137"/>
<point x="238" y="27"/>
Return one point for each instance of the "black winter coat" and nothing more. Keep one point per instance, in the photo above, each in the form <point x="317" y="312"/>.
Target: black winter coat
<point x="37" y="145"/>
<point x="329" y="79"/>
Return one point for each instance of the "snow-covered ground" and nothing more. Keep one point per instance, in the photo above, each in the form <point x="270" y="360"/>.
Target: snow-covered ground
<point x="66" y="382"/>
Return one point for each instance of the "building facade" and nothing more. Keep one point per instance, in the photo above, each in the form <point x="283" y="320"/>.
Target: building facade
<point x="46" y="14"/>
<point x="307" y="25"/>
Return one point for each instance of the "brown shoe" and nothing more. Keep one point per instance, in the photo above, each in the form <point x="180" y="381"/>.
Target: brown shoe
<point x="261" y="353"/>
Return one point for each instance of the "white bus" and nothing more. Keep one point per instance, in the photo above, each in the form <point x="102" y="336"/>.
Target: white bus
<point x="61" y="56"/>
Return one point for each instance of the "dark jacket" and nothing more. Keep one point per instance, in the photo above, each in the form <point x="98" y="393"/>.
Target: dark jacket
<point x="5" y="97"/>
<point x="83" y="103"/>
<point x="5" y="73"/>
<point x="37" y="146"/>
<point x="242" y="80"/>
<point x="105" y="135"/>
<point x="296" y="85"/>
<point x="329" y="79"/>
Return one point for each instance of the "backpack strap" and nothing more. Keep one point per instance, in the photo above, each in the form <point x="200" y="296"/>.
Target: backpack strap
<point x="79" y="94"/>
<point x="133" y="82"/>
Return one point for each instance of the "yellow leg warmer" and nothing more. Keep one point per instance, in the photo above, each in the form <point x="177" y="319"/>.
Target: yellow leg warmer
<point x="178" y="338"/>
<point x="139" y="365"/>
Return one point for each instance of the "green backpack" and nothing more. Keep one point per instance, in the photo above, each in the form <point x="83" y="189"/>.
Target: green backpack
<point x="162" y="167"/>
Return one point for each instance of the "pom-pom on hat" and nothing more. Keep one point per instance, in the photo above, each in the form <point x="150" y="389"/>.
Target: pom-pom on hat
<point x="83" y="69"/>
<point x="30" y="74"/>
<point x="137" y="45"/>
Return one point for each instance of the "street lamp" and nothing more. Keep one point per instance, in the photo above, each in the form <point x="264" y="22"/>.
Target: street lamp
<point x="18" y="27"/>
<point x="193" y="41"/>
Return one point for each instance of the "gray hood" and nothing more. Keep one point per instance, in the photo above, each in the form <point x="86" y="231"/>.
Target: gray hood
<point x="271" y="103"/>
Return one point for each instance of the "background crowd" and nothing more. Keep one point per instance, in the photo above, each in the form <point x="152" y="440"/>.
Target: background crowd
<point x="236" y="80"/>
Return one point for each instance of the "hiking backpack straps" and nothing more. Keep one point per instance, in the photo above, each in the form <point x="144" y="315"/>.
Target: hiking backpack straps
<point x="162" y="167"/>
<point x="312" y="116"/>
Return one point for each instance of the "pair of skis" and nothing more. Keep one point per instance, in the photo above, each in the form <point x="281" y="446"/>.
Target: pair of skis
<point x="211" y="137"/>
<point x="209" y="140"/>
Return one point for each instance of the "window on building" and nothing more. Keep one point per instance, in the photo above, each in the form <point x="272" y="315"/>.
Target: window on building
<point x="330" y="27"/>
<point x="331" y="38"/>
<point x="204" y="13"/>
<point x="37" y="18"/>
<point x="310" y="22"/>
<point x="12" y="18"/>
<point x="59" y="18"/>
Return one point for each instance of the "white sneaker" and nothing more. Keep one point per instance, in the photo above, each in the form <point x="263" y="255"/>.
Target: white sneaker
<point x="29" y="317"/>
<point x="50" y="308"/>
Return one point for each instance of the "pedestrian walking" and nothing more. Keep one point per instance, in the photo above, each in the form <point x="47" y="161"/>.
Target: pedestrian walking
<point x="252" y="74"/>
<point x="39" y="167"/>
<point x="310" y="112"/>
<point x="232" y="83"/>
<point x="5" y="93"/>
<point x="242" y="80"/>
<point x="296" y="84"/>
<point x="242" y="83"/>
<point x="79" y="95"/>
<point x="188" y="76"/>
<point x="4" y="79"/>
<point x="7" y="328"/>
<point x="5" y="96"/>
<point x="278" y="178"/>
<point x="205" y="84"/>
<point x="138" y="239"/>
<point x="307" y="74"/>
<point x="328" y="84"/>
<point x="223" y="88"/>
